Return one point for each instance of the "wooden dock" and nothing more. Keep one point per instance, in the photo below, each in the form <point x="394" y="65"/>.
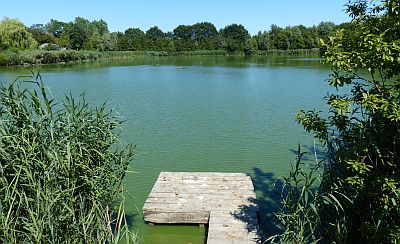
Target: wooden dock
<point x="224" y="201"/>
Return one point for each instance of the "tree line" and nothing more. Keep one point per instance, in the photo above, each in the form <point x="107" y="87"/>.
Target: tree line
<point x="83" y="34"/>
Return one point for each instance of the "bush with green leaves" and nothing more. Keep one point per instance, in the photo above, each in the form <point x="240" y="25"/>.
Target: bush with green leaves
<point x="61" y="168"/>
<point x="359" y="194"/>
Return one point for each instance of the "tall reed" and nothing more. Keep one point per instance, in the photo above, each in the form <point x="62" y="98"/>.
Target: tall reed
<point x="298" y="217"/>
<point x="61" y="168"/>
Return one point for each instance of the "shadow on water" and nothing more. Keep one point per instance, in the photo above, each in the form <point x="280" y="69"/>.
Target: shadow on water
<point x="129" y="217"/>
<point x="312" y="151"/>
<point x="268" y="202"/>
<point x="267" y="187"/>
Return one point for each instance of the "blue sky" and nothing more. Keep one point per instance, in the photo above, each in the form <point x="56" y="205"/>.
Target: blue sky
<point x="255" y="15"/>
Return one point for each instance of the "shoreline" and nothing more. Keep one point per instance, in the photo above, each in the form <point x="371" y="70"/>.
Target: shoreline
<point x="43" y="57"/>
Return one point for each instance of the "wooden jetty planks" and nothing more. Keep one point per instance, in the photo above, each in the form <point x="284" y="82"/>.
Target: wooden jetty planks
<point x="226" y="201"/>
<point x="177" y="217"/>
<point x="223" y="227"/>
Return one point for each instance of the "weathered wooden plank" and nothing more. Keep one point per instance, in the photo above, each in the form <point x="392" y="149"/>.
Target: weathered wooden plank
<point x="199" y="197"/>
<point x="225" y="240"/>
<point x="237" y="236"/>
<point x="177" y="217"/>
<point x="206" y="181"/>
<point x="178" y="187"/>
<point x="235" y="218"/>
<point x="230" y="191"/>
<point x="231" y="228"/>
<point x="225" y="195"/>
<point x="204" y="178"/>
<point x="191" y="180"/>
<point x="206" y="184"/>
<point x="208" y="200"/>
<point x="190" y="206"/>
<point x="200" y="174"/>
<point x="247" y="217"/>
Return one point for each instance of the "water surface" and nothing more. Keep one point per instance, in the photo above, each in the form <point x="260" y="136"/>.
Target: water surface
<point x="222" y="114"/>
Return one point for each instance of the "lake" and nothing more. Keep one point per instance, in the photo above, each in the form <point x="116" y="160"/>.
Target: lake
<point x="221" y="114"/>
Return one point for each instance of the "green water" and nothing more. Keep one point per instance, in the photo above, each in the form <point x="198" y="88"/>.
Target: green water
<point x="225" y="114"/>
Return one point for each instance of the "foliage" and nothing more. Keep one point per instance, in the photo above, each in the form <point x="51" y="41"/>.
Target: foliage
<point x="197" y="39"/>
<point x="206" y="35"/>
<point x="201" y="36"/>
<point x="295" y="37"/>
<point x="250" y="46"/>
<point x="132" y="40"/>
<point x="40" y="34"/>
<point x="360" y="190"/>
<point x="82" y="34"/>
<point x="61" y="168"/>
<point x="299" y="52"/>
<point x="14" y="35"/>
<point x="79" y="33"/>
<point x="155" y="39"/>
<point x="33" y="57"/>
<point x="235" y="37"/>
<point x="55" y="28"/>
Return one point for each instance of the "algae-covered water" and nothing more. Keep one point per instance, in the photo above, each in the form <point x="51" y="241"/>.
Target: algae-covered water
<point x="221" y="114"/>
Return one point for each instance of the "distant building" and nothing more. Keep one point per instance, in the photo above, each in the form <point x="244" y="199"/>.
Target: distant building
<point x="49" y="46"/>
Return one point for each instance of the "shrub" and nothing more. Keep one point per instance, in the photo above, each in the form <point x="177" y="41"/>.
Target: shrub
<point x="359" y="194"/>
<point x="9" y="58"/>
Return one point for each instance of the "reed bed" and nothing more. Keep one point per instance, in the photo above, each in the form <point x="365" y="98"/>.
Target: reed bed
<point x="61" y="168"/>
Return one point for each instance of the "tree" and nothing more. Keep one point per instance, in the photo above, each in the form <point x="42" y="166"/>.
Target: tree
<point x="183" y="32"/>
<point x="171" y="47"/>
<point x="113" y="42"/>
<point x="100" y="26"/>
<point x="278" y="38"/>
<point x="98" y="36"/>
<point x="40" y="34"/>
<point x="310" y="36"/>
<point x="296" y="40"/>
<point x="133" y="39"/>
<point x="65" y="36"/>
<point x="184" y="38"/>
<point x="79" y="33"/>
<point x="250" y="46"/>
<point x="15" y="35"/>
<point x="206" y="35"/>
<point x="263" y="40"/>
<point x="155" y="39"/>
<point x="55" y="27"/>
<point x="359" y="195"/>
<point x="325" y="29"/>
<point x="235" y="37"/>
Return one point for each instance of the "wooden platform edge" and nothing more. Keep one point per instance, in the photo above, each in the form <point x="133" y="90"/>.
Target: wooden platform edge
<point x="201" y="198"/>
